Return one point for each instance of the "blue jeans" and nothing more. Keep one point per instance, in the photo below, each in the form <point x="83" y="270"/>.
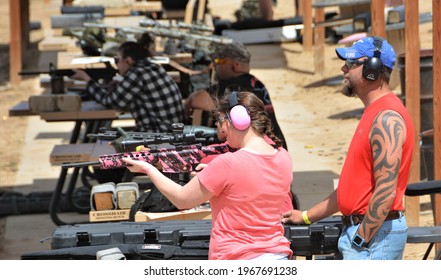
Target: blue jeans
<point x="387" y="244"/>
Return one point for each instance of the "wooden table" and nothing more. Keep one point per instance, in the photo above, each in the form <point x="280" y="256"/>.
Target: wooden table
<point x="92" y="114"/>
<point x="83" y="152"/>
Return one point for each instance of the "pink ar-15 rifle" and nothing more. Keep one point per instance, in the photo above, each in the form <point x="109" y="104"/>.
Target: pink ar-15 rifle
<point x="172" y="160"/>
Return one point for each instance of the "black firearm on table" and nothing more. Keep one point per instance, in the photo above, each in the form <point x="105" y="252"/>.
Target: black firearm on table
<point x="104" y="73"/>
<point x="174" y="159"/>
<point x="182" y="135"/>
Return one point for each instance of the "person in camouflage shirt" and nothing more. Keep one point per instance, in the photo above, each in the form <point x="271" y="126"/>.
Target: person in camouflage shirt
<point x="251" y="9"/>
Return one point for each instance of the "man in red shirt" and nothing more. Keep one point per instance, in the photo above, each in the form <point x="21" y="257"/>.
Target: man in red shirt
<point x="376" y="170"/>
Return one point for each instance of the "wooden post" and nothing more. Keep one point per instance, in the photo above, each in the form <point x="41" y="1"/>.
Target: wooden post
<point x="25" y="25"/>
<point x="412" y="80"/>
<point x="319" y="42"/>
<point x="201" y="10"/>
<point x="307" y="25"/>
<point x="436" y="21"/>
<point x="300" y="7"/>
<point x="189" y="10"/>
<point x="15" y="47"/>
<point x="377" y="18"/>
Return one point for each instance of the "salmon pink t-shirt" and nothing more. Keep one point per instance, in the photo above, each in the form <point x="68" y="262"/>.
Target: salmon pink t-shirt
<point x="249" y="191"/>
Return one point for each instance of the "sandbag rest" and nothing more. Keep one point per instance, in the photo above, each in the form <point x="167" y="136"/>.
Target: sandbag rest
<point x="110" y="196"/>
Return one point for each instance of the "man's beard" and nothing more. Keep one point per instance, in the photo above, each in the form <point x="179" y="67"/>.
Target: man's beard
<point x="347" y="90"/>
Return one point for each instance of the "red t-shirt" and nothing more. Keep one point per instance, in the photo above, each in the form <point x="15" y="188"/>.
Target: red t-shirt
<point x="249" y="191"/>
<point x="357" y="182"/>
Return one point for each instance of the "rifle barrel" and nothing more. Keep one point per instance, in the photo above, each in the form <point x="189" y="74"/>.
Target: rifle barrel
<point x="80" y="164"/>
<point x="33" y="73"/>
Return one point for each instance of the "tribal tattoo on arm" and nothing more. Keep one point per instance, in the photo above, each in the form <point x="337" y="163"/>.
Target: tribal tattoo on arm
<point x="388" y="134"/>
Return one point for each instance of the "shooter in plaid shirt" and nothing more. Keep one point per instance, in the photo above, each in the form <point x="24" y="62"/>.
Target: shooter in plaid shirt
<point x="145" y="90"/>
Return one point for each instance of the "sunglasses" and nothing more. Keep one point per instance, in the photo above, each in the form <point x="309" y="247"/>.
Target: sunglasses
<point x="221" y="61"/>
<point x="350" y="63"/>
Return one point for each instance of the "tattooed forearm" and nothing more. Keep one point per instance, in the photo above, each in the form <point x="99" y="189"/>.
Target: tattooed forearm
<point x="387" y="137"/>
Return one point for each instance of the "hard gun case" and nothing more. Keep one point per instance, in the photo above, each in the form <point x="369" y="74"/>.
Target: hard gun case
<point x="320" y="238"/>
<point x="180" y="239"/>
<point x="158" y="232"/>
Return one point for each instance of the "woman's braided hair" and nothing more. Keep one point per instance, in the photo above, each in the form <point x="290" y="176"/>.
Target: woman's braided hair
<point x="260" y="120"/>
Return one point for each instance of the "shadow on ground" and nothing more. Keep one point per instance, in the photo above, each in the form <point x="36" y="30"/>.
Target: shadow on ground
<point x="356" y="113"/>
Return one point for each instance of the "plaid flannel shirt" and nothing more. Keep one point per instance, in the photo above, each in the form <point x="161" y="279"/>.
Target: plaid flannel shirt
<point x="148" y="93"/>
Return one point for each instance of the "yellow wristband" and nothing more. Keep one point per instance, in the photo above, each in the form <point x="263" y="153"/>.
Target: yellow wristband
<point x="138" y="148"/>
<point x="305" y="218"/>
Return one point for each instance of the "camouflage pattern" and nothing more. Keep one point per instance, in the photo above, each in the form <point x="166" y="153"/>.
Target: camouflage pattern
<point x="248" y="9"/>
<point x="170" y="160"/>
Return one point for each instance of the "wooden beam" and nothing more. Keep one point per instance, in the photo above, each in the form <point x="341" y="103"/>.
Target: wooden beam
<point x="319" y="42"/>
<point x="436" y="21"/>
<point x="201" y="10"/>
<point x="25" y="25"/>
<point x="15" y="47"/>
<point x="299" y="6"/>
<point x="330" y="23"/>
<point x="307" y="25"/>
<point x="412" y="84"/>
<point x="189" y="10"/>
<point x="377" y="18"/>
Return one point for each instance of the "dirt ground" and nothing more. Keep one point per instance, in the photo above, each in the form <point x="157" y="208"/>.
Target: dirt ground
<point x="318" y="130"/>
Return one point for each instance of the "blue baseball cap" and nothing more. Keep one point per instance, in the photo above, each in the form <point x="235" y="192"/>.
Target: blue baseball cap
<point x="365" y="48"/>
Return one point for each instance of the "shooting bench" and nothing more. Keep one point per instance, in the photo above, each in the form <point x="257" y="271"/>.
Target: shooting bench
<point x="426" y="234"/>
<point x="256" y="31"/>
<point x="68" y="153"/>
<point x="76" y="16"/>
<point x="76" y="60"/>
<point x="91" y="117"/>
<point x="84" y="152"/>
<point x="63" y="153"/>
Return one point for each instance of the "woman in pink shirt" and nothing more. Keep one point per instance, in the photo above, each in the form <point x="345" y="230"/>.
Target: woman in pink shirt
<point x="247" y="189"/>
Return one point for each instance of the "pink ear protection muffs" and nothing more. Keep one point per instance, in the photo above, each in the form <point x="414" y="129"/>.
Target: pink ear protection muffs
<point x="239" y="115"/>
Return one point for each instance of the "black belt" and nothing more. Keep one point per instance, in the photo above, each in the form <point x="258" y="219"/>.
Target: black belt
<point x="356" y="219"/>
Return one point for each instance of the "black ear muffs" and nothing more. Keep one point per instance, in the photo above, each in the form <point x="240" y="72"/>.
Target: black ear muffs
<point x="238" y="115"/>
<point x="373" y="67"/>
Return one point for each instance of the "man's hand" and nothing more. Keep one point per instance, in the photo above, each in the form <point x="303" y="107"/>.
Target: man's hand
<point x="292" y="217"/>
<point x="199" y="99"/>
